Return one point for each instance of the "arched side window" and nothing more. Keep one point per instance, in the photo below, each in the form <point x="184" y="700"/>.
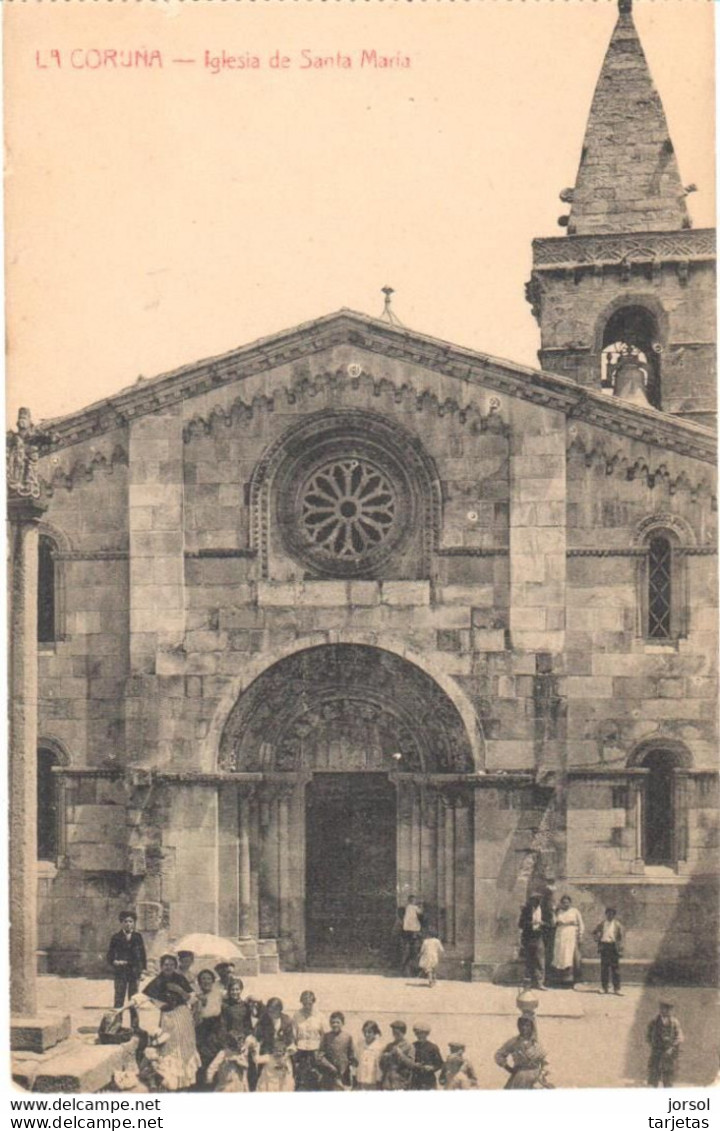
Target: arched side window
<point x="46" y="597"/>
<point x="49" y="808"/>
<point x="631" y="334"/>
<point x="662" y="578"/>
<point x="52" y="545"/>
<point x="660" y="588"/>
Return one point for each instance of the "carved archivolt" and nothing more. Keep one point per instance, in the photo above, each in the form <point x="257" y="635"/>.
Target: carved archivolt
<point x="666" y="521"/>
<point x="345" y="707"/>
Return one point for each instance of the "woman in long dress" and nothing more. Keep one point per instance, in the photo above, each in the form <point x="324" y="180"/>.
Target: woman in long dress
<point x="207" y="1008"/>
<point x="178" y="1062"/>
<point x="569" y="931"/>
<point x="523" y="1058"/>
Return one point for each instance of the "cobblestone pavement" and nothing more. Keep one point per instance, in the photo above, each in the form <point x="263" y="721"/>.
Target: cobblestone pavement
<point x="592" y="1039"/>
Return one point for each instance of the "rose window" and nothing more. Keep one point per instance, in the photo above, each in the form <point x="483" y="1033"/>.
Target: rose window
<point x="348" y="509"/>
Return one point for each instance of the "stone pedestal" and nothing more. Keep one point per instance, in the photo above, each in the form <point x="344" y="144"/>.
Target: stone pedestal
<point x="38" y="1034"/>
<point x="268" y="957"/>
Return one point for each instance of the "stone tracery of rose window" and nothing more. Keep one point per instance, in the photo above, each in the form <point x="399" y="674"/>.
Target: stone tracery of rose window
<point x="348" y="508"/>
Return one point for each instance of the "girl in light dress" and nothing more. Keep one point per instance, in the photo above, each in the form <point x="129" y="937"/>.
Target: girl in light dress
<point x="431" y="952"/>
<point x="229" y="1070"/>
<point x="277" y="1071"/>
<point x="368" y="1074"/>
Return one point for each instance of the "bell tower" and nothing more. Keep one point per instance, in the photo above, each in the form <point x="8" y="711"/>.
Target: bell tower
<point x="625" y="300"/>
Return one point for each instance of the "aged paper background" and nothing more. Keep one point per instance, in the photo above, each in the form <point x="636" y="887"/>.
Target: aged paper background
<point x="158" y="216"/>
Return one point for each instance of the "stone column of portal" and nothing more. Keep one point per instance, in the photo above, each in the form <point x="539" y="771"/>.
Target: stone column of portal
<point x="404" y="860"/>
<point x="442" y="909"/>
<point x="25" y="509"/>
<point x="449" y="870"/>
<point x="285" y="939"/>
<point x="244" y="878"/>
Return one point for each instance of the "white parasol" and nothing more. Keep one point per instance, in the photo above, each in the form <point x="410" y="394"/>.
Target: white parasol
<point x="208" y="949"/>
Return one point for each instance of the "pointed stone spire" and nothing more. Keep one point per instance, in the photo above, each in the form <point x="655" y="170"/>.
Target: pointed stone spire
<point x="628" y="180"/>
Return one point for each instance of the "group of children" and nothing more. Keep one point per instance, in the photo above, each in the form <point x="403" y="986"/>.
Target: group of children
<point x="211" y="1038"/>
<point x="264" y="1049"/>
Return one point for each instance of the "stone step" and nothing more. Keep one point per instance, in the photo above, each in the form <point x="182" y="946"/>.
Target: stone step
<point x="633" y="972"/>
<point x="73" y="1066"/>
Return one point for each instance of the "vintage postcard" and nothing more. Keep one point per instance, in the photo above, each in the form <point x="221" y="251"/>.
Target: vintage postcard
<point x="362" y="547"/>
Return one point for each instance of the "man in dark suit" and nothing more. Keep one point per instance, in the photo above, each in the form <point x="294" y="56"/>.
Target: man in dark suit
<point x="532" y="929"/>
<point x="126" y="955"/>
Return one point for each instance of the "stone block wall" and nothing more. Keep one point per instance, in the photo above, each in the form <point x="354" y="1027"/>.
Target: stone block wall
<point x="528" y="609"/>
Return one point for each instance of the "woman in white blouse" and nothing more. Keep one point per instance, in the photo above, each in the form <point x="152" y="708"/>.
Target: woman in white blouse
<point x="309" y="1027"/>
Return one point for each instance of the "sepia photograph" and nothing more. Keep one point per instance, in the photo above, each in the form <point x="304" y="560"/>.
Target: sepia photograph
<point x="362" y="547"/>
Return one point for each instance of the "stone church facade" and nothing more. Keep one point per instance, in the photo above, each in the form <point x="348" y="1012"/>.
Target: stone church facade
<point x="351" y="613"/>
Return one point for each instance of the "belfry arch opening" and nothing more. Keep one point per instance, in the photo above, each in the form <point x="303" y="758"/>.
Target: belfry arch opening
<point x="631" y="334"/>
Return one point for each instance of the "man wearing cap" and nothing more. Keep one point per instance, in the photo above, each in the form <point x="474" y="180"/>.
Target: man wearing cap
<point x="397" y="1061"/>
<point x="428" y="1060"/>
<point x="126" y="955"/>
<point x="458" y="1073"/>
<point x="225" y="972"/>
<point x="664" y="1037"/>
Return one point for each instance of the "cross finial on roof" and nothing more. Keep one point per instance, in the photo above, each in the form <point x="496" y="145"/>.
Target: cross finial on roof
<point x="388" y="314"/>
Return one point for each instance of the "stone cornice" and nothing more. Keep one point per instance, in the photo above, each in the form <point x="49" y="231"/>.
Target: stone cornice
<point x="91" y="555"/>
<point x="594" y="552"/>
<point x="221" y="553"/>
<point x="690" y="246"/>
<point x="371" y="335"/>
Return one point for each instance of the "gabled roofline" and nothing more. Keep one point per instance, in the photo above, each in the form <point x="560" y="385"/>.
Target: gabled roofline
<point x="377" y="336"/>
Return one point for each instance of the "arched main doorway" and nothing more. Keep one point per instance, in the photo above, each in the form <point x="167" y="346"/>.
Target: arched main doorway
<point x="351" y="766"/>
